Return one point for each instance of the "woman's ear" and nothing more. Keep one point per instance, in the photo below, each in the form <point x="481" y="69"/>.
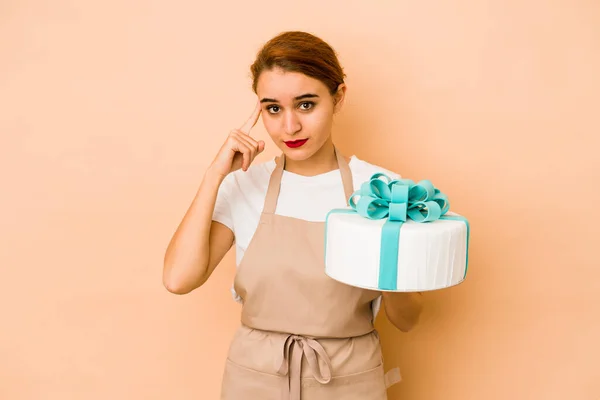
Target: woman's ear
<point x="339" y="97"/>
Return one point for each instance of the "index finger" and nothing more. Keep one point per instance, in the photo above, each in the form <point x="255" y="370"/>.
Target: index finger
<point x="249" y="124"/>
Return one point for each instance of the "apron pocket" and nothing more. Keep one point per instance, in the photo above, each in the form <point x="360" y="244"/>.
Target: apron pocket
<point x="366" y="385"/>
<point x="244" y="383"/>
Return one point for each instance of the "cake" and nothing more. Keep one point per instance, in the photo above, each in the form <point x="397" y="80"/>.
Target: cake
<point x="398" y="236"/>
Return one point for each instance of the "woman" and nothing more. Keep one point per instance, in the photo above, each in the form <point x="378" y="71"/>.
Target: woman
<point x="303" y="335"/>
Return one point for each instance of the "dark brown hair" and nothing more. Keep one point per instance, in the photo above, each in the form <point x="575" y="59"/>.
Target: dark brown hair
<point x="297" y="51"/>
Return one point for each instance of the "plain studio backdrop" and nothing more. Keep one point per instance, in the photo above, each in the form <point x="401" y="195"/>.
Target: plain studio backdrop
<point x="110" y="111"/>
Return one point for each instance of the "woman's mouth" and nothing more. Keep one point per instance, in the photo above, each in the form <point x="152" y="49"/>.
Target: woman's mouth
<point x="296" y="143"/>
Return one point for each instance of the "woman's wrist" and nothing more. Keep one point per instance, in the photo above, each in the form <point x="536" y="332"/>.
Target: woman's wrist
<point x="212" y="177"/>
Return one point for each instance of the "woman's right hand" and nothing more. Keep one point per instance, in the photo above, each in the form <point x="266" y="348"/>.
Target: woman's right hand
<point x="240" y="149"/>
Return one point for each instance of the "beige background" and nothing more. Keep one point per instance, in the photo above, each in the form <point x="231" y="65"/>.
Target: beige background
<point x="110" y="112"/>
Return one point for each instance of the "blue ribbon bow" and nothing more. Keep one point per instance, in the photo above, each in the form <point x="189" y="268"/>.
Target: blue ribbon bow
<point x="397" y="200"/>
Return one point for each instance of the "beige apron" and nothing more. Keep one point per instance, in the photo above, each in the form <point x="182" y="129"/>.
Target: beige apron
<point x="303" y="335"/>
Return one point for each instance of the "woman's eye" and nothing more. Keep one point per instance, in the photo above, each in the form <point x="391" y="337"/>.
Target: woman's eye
<point x="307" y="105"/>
<point x="273" y="109"/>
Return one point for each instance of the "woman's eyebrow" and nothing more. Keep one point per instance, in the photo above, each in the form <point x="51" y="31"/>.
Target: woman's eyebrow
<point x="301" y="97"/>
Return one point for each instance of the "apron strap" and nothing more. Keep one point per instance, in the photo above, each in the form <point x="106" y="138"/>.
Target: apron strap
<point x="275" y="181"/>
<point x="274" y="186"/>
<point x="346" y="175"/>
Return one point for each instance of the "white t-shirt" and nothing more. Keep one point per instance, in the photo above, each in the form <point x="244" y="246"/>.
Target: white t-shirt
<point x="241" y="198"/>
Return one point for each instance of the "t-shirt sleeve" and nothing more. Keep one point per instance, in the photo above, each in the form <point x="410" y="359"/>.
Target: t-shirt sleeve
<point x="364" y="170"/>
<point x="391" y="174"/>
<point x="222" y="212"/>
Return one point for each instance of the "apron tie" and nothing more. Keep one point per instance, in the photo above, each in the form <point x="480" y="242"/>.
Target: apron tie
<point x="296" y="346"/>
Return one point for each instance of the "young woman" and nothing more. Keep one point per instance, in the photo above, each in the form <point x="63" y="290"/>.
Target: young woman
<point x="302" y="334"/>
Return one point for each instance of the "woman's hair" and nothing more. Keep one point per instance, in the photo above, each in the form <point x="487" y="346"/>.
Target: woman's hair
<point x="302" y="52"/>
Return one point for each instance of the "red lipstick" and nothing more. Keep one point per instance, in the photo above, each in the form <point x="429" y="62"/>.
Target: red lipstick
<point x="296" y="143"/>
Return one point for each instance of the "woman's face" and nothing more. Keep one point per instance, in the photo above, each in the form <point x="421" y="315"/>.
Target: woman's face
<point x="297" y="111"/>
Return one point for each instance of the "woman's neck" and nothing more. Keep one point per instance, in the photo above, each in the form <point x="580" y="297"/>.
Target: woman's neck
<point x="324" y="160"/>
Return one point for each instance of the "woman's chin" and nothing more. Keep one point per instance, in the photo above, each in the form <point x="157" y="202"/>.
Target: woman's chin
<point x="298" y="154"/>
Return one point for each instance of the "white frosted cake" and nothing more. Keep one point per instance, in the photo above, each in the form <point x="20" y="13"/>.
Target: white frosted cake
<point x="418" y="246"/>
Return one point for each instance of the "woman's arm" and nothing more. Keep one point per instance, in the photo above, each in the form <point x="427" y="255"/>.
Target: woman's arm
<point x="403" y="309"/>
<point x="199" y="244"/>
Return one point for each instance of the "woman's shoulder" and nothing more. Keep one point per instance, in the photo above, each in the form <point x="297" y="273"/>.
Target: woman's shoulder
<point x="362" y="170"/>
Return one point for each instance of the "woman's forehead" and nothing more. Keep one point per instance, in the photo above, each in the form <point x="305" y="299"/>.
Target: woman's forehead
<point x="286" y="86"/>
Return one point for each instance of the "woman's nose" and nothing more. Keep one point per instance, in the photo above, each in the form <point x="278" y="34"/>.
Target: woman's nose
<point x="291" y="123"/>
